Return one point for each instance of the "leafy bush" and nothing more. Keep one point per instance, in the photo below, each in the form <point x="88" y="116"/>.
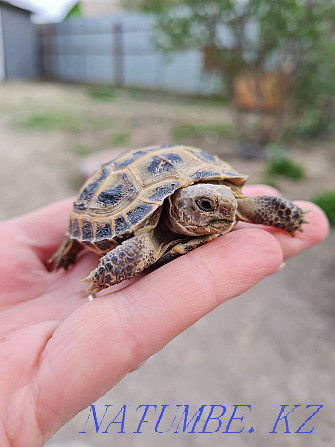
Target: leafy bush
<point x="326" y="201"/>
<point x="293" y="38"/>
<point x="284" y="167"/>
<point x="312" y="125"/>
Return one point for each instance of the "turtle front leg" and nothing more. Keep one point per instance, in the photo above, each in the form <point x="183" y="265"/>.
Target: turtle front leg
<point x="123" y="262"/>
<point x="185" y="247"/>
<point x="273" y="211"/>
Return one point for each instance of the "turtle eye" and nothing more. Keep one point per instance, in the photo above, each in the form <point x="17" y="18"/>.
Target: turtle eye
<point x="205" y="204"/>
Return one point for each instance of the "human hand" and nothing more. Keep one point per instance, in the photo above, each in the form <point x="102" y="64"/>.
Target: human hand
<point x="59" y="352"/>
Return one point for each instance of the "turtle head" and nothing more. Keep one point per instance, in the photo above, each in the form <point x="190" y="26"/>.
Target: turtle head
<point x="202" y="209"/>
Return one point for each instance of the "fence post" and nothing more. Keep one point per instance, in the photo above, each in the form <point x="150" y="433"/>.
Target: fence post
<point x="118" y="54"/>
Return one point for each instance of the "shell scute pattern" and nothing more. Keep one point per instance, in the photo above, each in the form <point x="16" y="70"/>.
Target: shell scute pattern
<point x="103" y="231"/>
<point x="211" y="167"/>
<point x="121" y="225"/>
<point x="207" y="157"/>
<point x="203" y="174"/>
<point x="89" y="189"/>
<point x="87" y="230"/>
<point x="161" y="192"/>
<point x="125" y="193"/>
<point x="162" y="166"/>
<point x="111" y="196"/>
<point x="128" y="158"/>
<point x="114" y="194"/>
<point x="139" y="212"/>
<point x="75" y="228"/>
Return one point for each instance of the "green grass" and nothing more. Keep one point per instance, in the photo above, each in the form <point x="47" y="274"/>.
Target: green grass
<point x="49" y="121"/>
<point x="67" y="121"/>
<point x="284" y="167"/>
<point x="106" y="92"/>
<point x="81" y="149"/>
<point x="326" y="201"/>
<point x="102" y="92"/>
<point x="182" y="132"/>
<point x="119" y="139"/>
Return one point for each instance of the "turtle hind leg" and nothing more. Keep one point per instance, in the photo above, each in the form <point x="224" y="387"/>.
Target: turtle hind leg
<point x="273" y="211"/>
<point x="66" y="254"/>
<point x="125" y="261"/>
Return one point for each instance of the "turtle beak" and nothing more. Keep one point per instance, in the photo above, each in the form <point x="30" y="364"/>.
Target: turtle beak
<point x="222" y="225"/>
<point x="225" y="219"/>
<point x="228" y="208"/>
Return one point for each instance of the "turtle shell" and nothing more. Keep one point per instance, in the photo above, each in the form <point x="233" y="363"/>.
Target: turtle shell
<point x="126" y="194"/>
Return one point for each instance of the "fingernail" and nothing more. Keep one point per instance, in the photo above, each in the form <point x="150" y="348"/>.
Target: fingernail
<point x="282" y="265"/>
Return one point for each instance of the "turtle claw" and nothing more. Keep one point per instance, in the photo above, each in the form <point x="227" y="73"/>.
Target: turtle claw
<point x="305" y="221"/>
<point x="65" y="256"/>
<point x="54" y="266"/>
<point x="91" y="297"/>
<point x="93" y="289"/>
<point x="88" y="278"/>
<point x="55" y="261"/>
<point x="59" y="262"/>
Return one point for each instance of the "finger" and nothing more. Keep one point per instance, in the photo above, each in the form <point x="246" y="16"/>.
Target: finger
<point x="116" y="333"/>
<point x="260" y="190"/>
<point x="44" y="230"/>
<point x="21" y="277"/>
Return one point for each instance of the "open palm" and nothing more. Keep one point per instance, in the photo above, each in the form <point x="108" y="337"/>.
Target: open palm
<point x="59" y="352"/>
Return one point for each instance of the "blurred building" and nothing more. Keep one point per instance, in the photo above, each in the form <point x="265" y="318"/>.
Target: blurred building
<point x="94" y="41"/>
<point x="18" y="45"/>
<point x="119" y="49"/>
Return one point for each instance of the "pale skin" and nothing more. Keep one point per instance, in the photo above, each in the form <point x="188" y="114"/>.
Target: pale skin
<point x="48" y="326"/>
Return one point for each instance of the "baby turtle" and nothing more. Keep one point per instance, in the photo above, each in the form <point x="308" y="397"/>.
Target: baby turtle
<point x="153" y="204"/>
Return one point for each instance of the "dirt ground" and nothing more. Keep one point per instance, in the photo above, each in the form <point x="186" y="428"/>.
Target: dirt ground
<point x="273" y="345"/>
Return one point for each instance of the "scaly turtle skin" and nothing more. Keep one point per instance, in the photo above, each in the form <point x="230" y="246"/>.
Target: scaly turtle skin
<point x="153" y="204"/>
